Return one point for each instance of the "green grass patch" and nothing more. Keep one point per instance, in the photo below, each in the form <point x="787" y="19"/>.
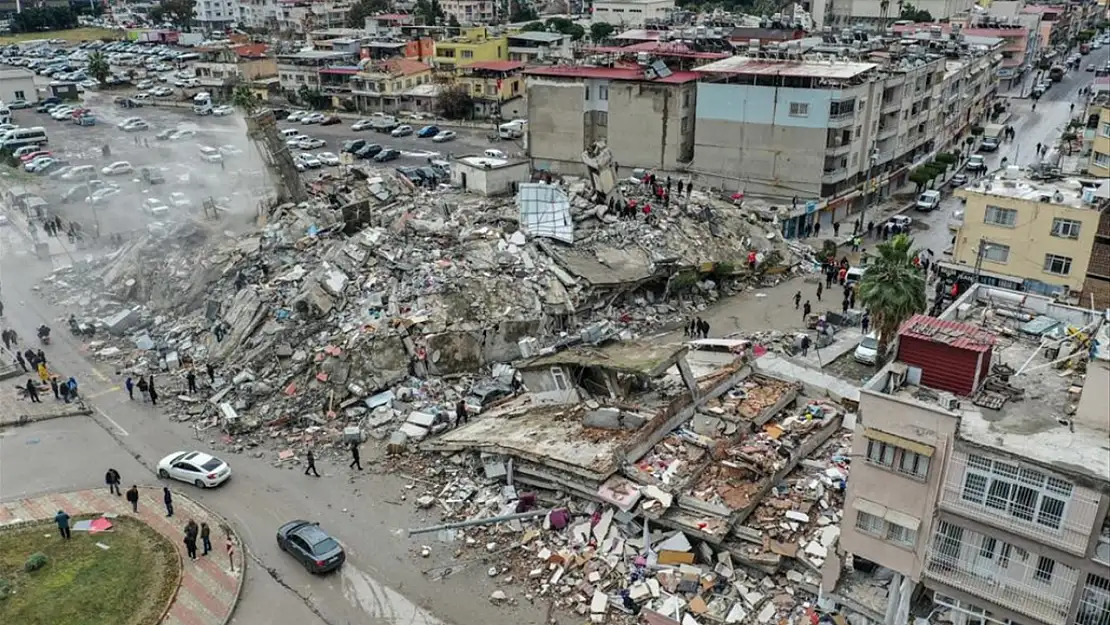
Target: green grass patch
<point x="82" y="584"/>
<point x="75" y="35"/>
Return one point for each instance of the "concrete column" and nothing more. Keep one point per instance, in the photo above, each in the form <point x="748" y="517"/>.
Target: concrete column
<point x="905" y="593"/>
<point x="893" y="600"/>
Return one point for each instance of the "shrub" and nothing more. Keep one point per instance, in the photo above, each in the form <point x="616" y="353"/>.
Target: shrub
<point x="5" y="589"/>
<point x="35" y="562"/>
<point x="723" y="269"/>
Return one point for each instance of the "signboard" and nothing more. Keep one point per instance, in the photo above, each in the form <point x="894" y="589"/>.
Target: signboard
<point x="811" y="207"/>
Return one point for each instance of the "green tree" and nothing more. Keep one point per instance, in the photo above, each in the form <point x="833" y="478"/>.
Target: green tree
<point x="98" y="67"/>
<point x="910" y="12"/>
<point x="523" y="13"/>
<point x="893" y="288"/>
<point x="245" y="100"/>
<point x="566" y="27"/>
<point x="428" y="11"/>
<point x="921" y="176"/>
<point x="601" y="31"/>
<point x="177" y="12"/>
<point x="454" y="103"/>
<point x="356" y="17"/>
<point x="534" y="27"/>
<point x="1085" y="35"/>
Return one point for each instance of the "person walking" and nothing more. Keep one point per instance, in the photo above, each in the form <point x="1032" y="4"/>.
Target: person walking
<point x="129" y="384"/>
<point x="806" y="309"/>
<point x="229" y="546"/>
<point x="836" y="228"/>
<point x="356" y="463"/>
<point x="153" y="394"/>
<point x="462" y="415"/>
<point x="54" y="387"/>
<point x="311" y="458"/>
<point x="144" y="388"/>
<point x="191" y="532"/>
<point x="797" y="300"/>
<point x="820" y="289"/>
<point x="112" y="479"/>
<point x="211" y="369"/>
<point x="167" y="498"/>
<point x="865" y="323"/>
<point x="805" y="346"/>
<point x="704" y="328"/>
<point x="205" y="538"/>
<point x="133" y="498"/>
<point x="191" y="381"/>
<point x="33" y="392"/>
<point x="71" y="386"/>
<point x="62" y="519"/>
<point x="19" y="359"/>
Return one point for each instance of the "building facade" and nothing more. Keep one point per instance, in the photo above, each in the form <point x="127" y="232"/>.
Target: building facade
<point x="302" y="69"/>
<point x="215" y="14"/>
<point x="475" y="45"/>
<point x="491" y="84"/>
<point x="17" y="84"/>
<point x="382" y="86"/>
<point x="646" y="122"/>
<point x="1039" y="233"/>
<point x="1099" y="165"/>
<point x="856" y="12"/>
<point x="537" y="47"/>
<point x="470" y="12"/>
<point x="631" y="13"/>
<point x="225" y="67"/>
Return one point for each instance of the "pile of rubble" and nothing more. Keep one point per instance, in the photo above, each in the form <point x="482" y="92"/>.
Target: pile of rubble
<point x="354" y="309"/>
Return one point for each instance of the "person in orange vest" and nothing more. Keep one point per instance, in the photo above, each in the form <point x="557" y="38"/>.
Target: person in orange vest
<point x="841" y="275"/>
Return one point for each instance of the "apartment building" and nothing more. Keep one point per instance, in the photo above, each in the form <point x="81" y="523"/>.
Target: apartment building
<point x="1033" y="233"/>
<point x="1019" y="44"/>
<point x="1096" y="287"/>
<point x="1099" y="165"/>
<point x="303" y="68"/>
<point x="227" y="66"/>
<point x="474" y="45"/>
<point x="215" y="14"/>
<point x="382" y="86"/>
<point x="470" y="12"/>
<point x="491" y="85"/>
<point x="647" y="120"/>
<point x="631" y="13"/>
<point x="537" y="47"/>
<point x="983" y="480"/>
<point x="856" y="12"/>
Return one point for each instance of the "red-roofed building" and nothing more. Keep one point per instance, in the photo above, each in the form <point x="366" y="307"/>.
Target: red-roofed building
<point x="224" y="66"/>
<point x="494" y="85"/>
<point x="646" y="117"/>
<point x="952" y="356"/>
<point x="383" y="85"/>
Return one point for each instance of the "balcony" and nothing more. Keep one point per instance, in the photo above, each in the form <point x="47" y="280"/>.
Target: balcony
<point x="838" y="148"/>
<point x="1000" y="573"/>
<point x="832" y="176"/>
<point x="891" y="106"/>
<point x="1057" y="513"/>
<point x="842" y="120"/>
<point x="886" y="131"/>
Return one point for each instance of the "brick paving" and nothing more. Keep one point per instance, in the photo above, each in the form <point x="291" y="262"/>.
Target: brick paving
<point x="209" y="589"/>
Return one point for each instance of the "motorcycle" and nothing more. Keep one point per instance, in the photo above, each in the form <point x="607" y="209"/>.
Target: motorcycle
<point x="44" y="335"/>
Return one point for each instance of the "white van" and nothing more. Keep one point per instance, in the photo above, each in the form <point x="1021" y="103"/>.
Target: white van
<point x="928" y="201"/>
<point x="491" y="153"/>
<point x="210" y="155"/>
<point x="24" y="136"/>
<point x="854" y="274"/>
<point x="289" y="133"/>
<point x="512" y="130"/>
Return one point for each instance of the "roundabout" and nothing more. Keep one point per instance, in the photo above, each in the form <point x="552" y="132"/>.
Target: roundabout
<point x="135" y="573"/>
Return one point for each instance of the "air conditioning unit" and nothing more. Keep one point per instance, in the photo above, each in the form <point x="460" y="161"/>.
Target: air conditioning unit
<point x="949" y="402"/>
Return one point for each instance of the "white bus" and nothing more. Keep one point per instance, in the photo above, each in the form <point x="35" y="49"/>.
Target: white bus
<point x="20" y="137"/>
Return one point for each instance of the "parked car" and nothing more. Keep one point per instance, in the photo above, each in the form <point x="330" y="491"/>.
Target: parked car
<point x="427" y="131"/>
<point x="40" y="165"/>
<point x="222" y="111"/>
<point x="313" y="118"/>
<point x="958" y="180"/>
<point x="102" y="194"/>
<point x="117" y="168"/>
<point x="353" y="145"/>
<point x="309" y="143"/>
<point x="151" y="175"/>
<point x="315" y="549"/>
<point x="362" y="124"/>
<point x="370" y="150"/>
<point x="309" y="160"/>
<point x="403" y="130"/>
<point x="194" y="467"/>
<point x="927" y="201"/>
<point x="989" y="144"/>
<point x="976" y="162"/>
<point x="901" y="221"/>
<point x="17" y="105"/>
<point x="331" y="120"/>
<point x="445" y="136"/>
<point x="155" y="207"/>
<point x="27" y="157"/>
<point x="328" y="159"/>
<point x="296" y="116"/>
<point x="135" y="126"/>
<point x="179" y="200"/>
<point x="387" y="155"/>
<point x="867" y="352"/>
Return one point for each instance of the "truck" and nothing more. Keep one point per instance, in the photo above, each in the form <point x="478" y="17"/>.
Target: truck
<point x="512" y="130"/>
<point x="1085" y="47"/>
<point x="1056" y="73"/>
<point x="992" y="137"/>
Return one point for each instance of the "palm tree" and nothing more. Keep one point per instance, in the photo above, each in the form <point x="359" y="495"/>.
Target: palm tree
<point x="893" y="288"/>
<point x="98" y="67"/>
<point x="244" y="99"/>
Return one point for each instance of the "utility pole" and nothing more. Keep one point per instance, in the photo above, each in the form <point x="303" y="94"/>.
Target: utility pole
<point x="979" y="257"/>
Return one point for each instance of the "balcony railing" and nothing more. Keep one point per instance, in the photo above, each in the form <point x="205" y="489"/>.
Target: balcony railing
<point x="888" y="130"/>
<point x="834" y="175"/>
<point x="842" y="119"/>
<point x="894" y="104"/>
<point x="838" y="147"/>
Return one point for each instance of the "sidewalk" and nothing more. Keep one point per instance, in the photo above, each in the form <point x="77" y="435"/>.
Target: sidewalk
<point x="208" y="591"/>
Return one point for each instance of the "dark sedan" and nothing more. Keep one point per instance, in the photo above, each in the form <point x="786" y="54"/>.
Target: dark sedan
<point x="370" y="150"/>
<point x="305" y="541"/>
<point x="388" y="155"/>
<point x="331" y="120"/>
<point x="354" y="145"/>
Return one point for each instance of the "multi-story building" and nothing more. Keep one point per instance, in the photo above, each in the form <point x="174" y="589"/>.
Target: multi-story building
<point x="1099" y="165"/>
<point x="980" y="474"/>
<point x="293" y="16"/>
<point x="647" y="121"/>
<point x="538" y="47"/>
<point x="473" y="46"/>
<point x="15" y="6"/>
<point x="1035" y="233"/>
<point x="1096" y="288"/>
<point x="470" y="12"/>
<point x="631" y="13"/>
<point x="491" y="85"/>
<point x="303" y="68"/>
<point x="226" y="66"/>
<point x="856" y="12"/>
<point x="1019" y="44"/>
<point x="382" y="86"/>
<point x="1055" y="25"/>
<point x="215" y="14"/>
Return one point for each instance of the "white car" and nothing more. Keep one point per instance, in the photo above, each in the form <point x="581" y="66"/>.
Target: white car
<point x="102" y="194"/>
<point x="362" y="124"/>
<point x="223" y="111"/>
<point x="309" y="143"/>
<point x="295" y="140"/>
<point x="867" y="352"/>
<point x="210" y="155"/>
<point x="179" y="200"/>
<point x="328" y="158"/>
<point x="443" y="137"/>
<point x="135" y="126"/>
<point x="39" y="164"/>
<point x="62" y="113"/>
<point x="161" y="92"/>
<point x="194" y="467"/>
<point x="296" y="116"/>
<point x="129" y="120"/>
<point x="901" y="221"/>
<point x="403" y="130"/>
<point x="144" y="84"/>
<point x="117" y="168"/>
<point x="186" y="133"/>
<point x="309" y="160"/>
<point x="155" y="207"/>
<point x="313" y="118"/>
<point x="80" y="172"/>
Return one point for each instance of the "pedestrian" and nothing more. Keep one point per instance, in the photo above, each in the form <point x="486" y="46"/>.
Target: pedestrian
<point x="836" y="228"/>
<point x="191" y="380"/>
<point x="704" y="327"/>
<point x="865" y="323"/>
<point x="820" y="289"/>
<point x="144" y="388"/>
<point x="153" y="394"/>
<point x="852" y="299"/>
<point x="311" y="464"/>
<point x="32" y="392"/>
<point x="797" y="300"/>
<point x="129" y="384"/>
<point x="856" y="226"/>
<point x="19" y="359"/>
<point x="112" y="479"/>
<point x="133" y="498"/>
<point x="167" y="498"/>
<point x="44" y="375"/>
<point x="461" y="414"/>
<point x="695" y="328"/>
<point x="54" y="387"/>
<point x="805" y="345"/>
<point x="205" y="537"/>
<point x="817" y="229"/>
<point x="211" y="373"/>
<point x="229" y="546"/>
<point x="72" y="384"/>
<point x="841" y="275"/>
<point x="844" y="305"/>
<point x="31" y="358"/>
<point x="355" y="462"/>
<point x="191" y="532"/>
<point x="806" y="309"/>
<point x="62" y="519"/>
<point x="4" y="337"/>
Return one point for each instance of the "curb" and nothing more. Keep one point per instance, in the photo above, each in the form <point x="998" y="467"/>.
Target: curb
<point x="242" y="548"/>
<point x="23" y="420"/>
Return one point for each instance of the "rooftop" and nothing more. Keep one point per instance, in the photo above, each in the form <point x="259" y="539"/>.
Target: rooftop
<point x="496" y="66"/>
<point x="662" y="48"/>
<point x="1031" y="406"/>
<point x="541" y="37"/>
<point x="953" y="333"/>
<point x="770" y="67"/>
<point x="1015" y="183"/>
<point x="483" y="161"/>
<point x="16" y="73"/>
<point x="315" y="55"/>
<point x="608" y="73"/>
<point x="625" y="356"/>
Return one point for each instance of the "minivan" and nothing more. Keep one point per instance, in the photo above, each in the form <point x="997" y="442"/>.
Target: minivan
<point x="211" y="155"/>
<point x="24" y="136"/>
<point x="289" y="133"/>
<point x="928" y="201"/>
<point x="491" y="153"/>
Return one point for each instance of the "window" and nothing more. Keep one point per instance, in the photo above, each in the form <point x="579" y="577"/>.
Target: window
<point x="998" y="216"/>
<point x="1059" y="265"/>
<point x="913" y="464"/>
<point x="1020" y="493"/>
<point x="560" y="379"/>
<point x="587" y="93"/>
<point x="1105" y="131"/>
<point x="900" y="535"/>
<point x="19" y="95"/>
<point x="987" y="547"/>
<point x="1004" y="555"/>
<point x="1065" y="228"/>
<point x="685" y="124"/>
<point x="1045" y="566"/>
<point x="996" y="252"/>
<point x="602" y="92"/>
<point x="842" y="109"/>
<point x="467" y="54"/>
<point x="880" y="453"/>
<point x="1102" y="160"/>
<point x="799" y="109"/>
<point x="602" y="118"/>
<point x="869" y="523"/>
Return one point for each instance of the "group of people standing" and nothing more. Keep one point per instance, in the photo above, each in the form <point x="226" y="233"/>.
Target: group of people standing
<point x="697" y="328"/>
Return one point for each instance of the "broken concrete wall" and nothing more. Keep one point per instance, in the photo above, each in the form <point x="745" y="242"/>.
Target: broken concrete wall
<point x="465" y="352"/>
<point x="383" y="359"/>
<point x="242" y="317"/>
